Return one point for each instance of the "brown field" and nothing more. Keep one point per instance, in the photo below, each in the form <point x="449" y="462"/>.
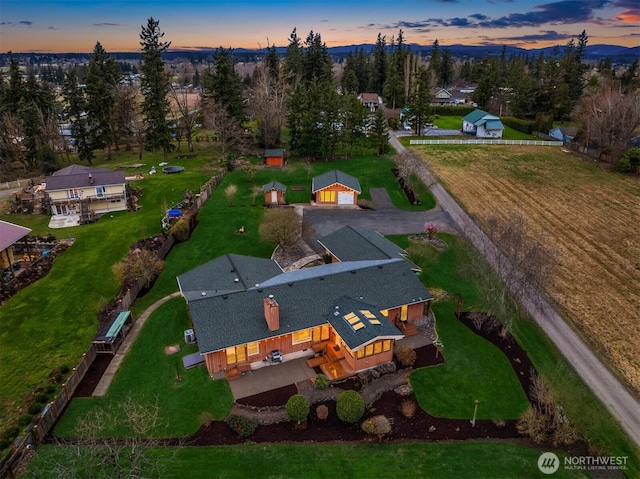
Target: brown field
<point x="589" y="216"/>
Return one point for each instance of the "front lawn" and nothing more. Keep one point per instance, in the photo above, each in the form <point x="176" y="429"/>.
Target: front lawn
<point x="468" y="460"/>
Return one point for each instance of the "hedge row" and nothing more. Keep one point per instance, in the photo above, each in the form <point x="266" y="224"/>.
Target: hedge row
<point x="525" y="126"/>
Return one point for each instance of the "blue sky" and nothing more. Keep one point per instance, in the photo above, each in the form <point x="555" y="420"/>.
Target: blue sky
<point x="76" y="25"/>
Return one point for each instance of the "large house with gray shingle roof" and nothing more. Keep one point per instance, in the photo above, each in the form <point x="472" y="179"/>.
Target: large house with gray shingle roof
<point x="345" y="316"/>
<point x="335" y="188"/>
<point x="86" y="192"/>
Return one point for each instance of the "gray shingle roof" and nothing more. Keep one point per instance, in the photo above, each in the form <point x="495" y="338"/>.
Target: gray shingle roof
<point x="305" y="299"/>
<point x="352" y="243"/>
<point x="10" y="233"/>
<point x="77" y="176"/>
<point x="274" y="185"/>
<point x="274" y="152"/>
<point x="331" y="178"/>
<point x="226" y="274"/>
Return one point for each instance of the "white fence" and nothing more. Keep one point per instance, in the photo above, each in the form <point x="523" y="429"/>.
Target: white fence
<point x="486" y="142"/>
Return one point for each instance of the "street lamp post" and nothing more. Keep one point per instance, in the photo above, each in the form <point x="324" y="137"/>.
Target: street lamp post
<point x="475" y="410"/>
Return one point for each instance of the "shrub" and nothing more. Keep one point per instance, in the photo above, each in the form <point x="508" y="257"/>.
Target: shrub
<point x="241" y="425"/>
<point x="181" y="230"/>
<point x="406" y="356"/>
<point x="24" y="419"/>
<point x="525" y="126"/>
<point x="377" y="425"/>
<point x="408" y="408"/>
<point x="322" y="381"/>
<point x="50" y="389"/>
<point x="322" y="412"/>
<point x="624" y="165"/>
<point x="366" y="204"/>
<point x="499" y="423"/>
<point x="42" y="398"/>
<point x="297" y="408"/>
<point x="35" y="408"/>
<point x="11" y="433"/>
<point x="431" y="229"/>
<point x="350" y="406"/>
<point x="64" y="369"/>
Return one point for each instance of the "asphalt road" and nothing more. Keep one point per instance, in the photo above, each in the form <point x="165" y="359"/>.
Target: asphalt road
<point x="622" y="405"/>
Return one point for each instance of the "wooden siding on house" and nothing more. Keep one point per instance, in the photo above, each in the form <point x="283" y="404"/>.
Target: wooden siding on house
<point x="337" y="188"/>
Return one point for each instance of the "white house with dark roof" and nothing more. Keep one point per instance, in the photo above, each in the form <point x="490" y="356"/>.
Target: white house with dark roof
<point x="344" y="316"/>
<point x="482" y="124"/>
<point x="335" y="188"/>
<point x="85" y="192"/>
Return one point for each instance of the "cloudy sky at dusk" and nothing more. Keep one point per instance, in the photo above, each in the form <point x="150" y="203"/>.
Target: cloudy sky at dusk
<point x="76" y="25"/>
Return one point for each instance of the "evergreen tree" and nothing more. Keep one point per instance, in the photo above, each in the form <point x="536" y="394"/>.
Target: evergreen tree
<point x="435" y="62"/>
<point x="103" y="76"/>
<point x="75" y="114"/>
<point x="379" y="65"/>
<point x="316" y="60"/>
<point x="446" y="69"/>
<point x="14" y="88"/>
<point x="293" y="60"/>
<point x="350" y="83"/>
<point x="154" y="84"/>
<point x="419" y="110"/>
<point x="379" y="132"/>
<point x="223" y="84"/>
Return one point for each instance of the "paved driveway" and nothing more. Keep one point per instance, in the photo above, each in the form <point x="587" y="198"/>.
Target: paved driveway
<point x="386" y="218"/>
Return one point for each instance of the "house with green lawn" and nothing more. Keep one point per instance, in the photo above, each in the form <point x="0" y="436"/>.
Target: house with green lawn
<point x="345" y="316"/>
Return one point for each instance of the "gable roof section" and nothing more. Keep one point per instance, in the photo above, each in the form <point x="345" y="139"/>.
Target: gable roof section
<point x="352" y="243"/>
<point x="77" y="176"/>
<point x="10" y="233"/>
<point x="474" y="116"/>
<point x="305" y="297"/>
<point x="493" y="125"/>
<point x="359" y="323"/>
<point x="274" y="185"/>
<point x="274" y="152"/>
<point x="369" y="98"/>
<point x="226" y="274"/>
<point x="332" y="177"/>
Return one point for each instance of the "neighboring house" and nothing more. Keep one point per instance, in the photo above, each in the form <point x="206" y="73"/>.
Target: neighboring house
<point x="335" y="188"/>
<point x="440" y="96"/>
<point x="371" y="101"/>
<point x="274" y="193"/>
<point x="482" y="124"/>
<point x="274" y="157"/>
<point x="346" y="317"/>
<point x="9" y="235"/>
<point x="563" y="133"/>
<point x="86" y="192"/>
<point x="352" y="243"/>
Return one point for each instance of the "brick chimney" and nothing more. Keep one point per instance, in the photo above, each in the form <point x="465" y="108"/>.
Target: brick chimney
<point x="271" y="313"/>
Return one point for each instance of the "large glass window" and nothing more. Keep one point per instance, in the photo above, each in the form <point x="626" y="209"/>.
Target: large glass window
<point x="301" y="336"/>
<point x="321" y="333"/>
<point x="231" y="356"/>
<point x="253" y="349"/>
<point x="328" y="196"/>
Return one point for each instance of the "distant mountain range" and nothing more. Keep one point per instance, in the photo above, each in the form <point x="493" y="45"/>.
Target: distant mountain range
<point x="619" y="54"/>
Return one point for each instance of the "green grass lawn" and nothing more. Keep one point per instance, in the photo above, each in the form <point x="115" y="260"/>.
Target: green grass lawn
<point x="185" y="398"/>
<point x="446" y="122"/>
<point x="469" y="460"/>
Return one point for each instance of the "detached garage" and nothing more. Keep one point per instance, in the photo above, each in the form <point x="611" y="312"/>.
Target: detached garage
<point x="335" y="188"/>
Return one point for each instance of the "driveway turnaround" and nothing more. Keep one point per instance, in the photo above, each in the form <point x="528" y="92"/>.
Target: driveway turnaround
<point x="386" y="218"/>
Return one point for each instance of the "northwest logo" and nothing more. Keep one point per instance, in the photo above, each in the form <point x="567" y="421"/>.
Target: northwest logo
<point x="548" y="463"/>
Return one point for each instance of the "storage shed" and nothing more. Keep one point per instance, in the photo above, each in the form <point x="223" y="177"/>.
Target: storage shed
<point x="274" y="157"/>
<point x="113" y="333"/>
<point x="274" y="193"/>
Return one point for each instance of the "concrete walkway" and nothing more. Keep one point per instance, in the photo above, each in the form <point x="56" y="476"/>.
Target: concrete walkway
<point x="114" y="365"/>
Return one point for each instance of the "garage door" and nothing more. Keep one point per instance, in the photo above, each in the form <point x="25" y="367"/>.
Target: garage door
<point x="345" y="198"/>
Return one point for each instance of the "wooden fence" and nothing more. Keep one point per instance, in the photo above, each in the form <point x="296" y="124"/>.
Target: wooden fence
<point x="485" y="142"/>
<point x="53" y="410"/>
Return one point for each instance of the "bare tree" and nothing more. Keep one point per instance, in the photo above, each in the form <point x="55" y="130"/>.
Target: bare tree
<point x="269" y="97"/>
<point x="281" y="226"/>
<point x="522" y="261"/>
<point x="124" y="114"/>
<point x="230" y="132"/>
<point x="94" y="454"/>
<point x="10" y="140"/>
<point x="139" y="263"/>
<point x="185" y="108"/>
<point x="608" y="118"/>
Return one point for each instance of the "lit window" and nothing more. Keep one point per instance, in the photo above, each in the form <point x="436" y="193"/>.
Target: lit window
<point x="367" y="314"/>
<point x="386" y="345"/>
<point x="328" y="196"/>
<point x="377" y="348"/>
<point x="368" y="350"/>
<point x="360" y="353"/>
<point x="385" y="312"/>
<point x="231" y="356"/>
<point x="374" y="321"/>
<point x="301" y="336"/>
<point x="357" y="326"/>
<point x="253" y="349"/>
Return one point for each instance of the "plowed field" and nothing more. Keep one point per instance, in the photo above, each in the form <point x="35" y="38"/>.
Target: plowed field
<point x="589" y="216"/>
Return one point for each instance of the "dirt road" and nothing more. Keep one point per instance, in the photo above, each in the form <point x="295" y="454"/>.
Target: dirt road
<point x="622" y="405"/>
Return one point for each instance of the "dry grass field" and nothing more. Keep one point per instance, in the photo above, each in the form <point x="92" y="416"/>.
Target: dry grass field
<point x="588" y="216"/>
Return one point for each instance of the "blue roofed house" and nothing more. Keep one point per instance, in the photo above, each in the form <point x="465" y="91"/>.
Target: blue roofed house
<point x="482" y="124"/>
<point x="345" y="316"/>
<point x="565" y="134"/>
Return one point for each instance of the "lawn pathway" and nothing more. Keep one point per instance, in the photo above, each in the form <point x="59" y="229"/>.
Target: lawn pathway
<point x="109" y="374"/>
